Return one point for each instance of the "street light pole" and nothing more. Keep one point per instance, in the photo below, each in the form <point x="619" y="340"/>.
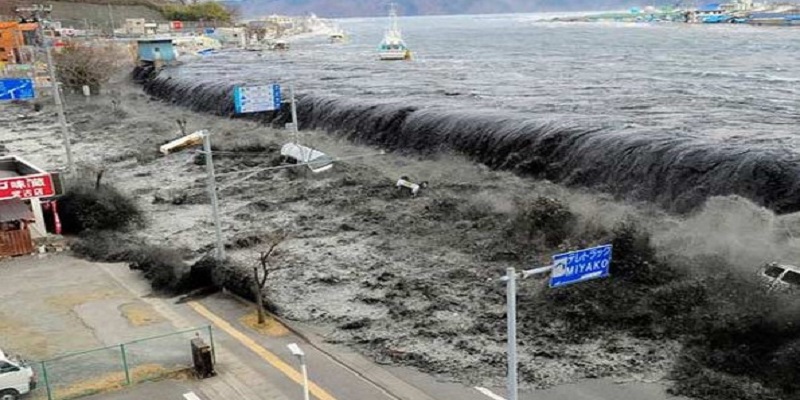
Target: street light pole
<point x="38" y="11"/>
<point x="212" y="193"/>
<point x="111" y="17"/>
<point x="62" y="118"/>
<point x="511" y="301"/>
<point x="305" y="377"/>
<point x="298" y="352"/>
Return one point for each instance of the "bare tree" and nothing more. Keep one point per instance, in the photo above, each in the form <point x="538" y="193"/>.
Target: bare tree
<point x="263" y="271"/>
<point x="90" y="64"/>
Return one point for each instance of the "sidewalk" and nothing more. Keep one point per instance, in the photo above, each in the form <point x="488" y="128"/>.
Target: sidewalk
<point x="234" y="380"/>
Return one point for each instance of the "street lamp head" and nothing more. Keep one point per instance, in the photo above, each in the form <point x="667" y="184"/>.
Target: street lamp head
<point x="296" y="350"/>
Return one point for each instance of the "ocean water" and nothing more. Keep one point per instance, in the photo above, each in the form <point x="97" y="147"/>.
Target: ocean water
<point x="670" y="113"/>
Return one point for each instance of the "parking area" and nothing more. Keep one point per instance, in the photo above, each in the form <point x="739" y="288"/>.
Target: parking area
<point x="57" y="305"/>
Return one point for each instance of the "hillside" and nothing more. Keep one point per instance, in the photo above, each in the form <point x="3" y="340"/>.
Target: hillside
<point x="357" y="8"/>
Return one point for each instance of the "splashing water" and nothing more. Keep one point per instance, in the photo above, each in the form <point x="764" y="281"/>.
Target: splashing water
<point x="669" y="114"/>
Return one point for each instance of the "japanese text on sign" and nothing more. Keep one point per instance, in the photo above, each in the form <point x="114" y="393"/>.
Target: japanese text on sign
<point x="26" y="187"/>
<point x="581" y="265"/>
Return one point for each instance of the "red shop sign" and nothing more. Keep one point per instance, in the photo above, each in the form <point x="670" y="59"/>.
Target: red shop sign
<point x="26" y="187"/>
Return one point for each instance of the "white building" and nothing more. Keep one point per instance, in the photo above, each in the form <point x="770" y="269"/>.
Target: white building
<point x="134" y="26"/>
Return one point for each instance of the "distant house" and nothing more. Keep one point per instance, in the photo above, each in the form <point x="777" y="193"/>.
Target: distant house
<point x="134" y="26"/>
<point x="156" y="51"/>
<point x="231" y="36"/>
<point x="23" y="188"/>
<point x="11" y="40"/>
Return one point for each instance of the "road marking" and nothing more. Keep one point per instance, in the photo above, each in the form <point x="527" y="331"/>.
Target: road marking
<point x="488" y="393"/>
<point x="265" y="354"/>
<point x="190" y="396"/>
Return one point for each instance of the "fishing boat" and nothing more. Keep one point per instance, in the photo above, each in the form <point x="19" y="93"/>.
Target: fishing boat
<point x="393" y="47"/>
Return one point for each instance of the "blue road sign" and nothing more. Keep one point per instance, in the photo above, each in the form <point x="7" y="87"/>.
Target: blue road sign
<point x="16" y="89"/>
<point x="247" y="99"/>
<point x="581" y="265"/>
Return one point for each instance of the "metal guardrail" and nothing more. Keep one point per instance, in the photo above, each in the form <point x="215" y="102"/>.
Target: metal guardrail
<point x="88" y="372"/>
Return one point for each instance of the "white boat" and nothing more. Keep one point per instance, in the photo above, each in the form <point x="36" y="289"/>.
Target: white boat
<point x="337" y="35"/>
<point x="393" y="47"/>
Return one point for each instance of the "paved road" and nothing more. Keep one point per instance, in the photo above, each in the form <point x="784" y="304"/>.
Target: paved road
<point x="162" y="390"/>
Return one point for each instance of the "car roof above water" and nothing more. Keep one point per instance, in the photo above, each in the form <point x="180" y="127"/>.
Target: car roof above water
<point x="784" y="273"/>
<point x="782" y="266"/>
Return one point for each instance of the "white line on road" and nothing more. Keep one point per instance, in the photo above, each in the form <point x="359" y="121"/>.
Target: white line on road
<point x="190" y="396"/>
<point x="489" y="393"/>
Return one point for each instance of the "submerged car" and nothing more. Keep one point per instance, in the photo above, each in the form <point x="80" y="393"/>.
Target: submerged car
<point x="781" y="276"/>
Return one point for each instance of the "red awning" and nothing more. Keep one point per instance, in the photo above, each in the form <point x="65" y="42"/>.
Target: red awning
<point x="14" y="210"/>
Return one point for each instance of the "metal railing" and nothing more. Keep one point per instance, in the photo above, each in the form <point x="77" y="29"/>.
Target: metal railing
<point x="104" y="369"/>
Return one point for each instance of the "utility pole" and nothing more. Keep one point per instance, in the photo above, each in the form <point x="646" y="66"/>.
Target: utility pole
<point x="295" y="127"/>
<point x="296" y="130"/>
<point x="39" y="11"/>
<point x="111" y="17"/>
<point x="212" y="192"/>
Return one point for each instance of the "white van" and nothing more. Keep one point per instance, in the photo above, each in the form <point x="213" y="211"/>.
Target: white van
<point x="16" y="377"/>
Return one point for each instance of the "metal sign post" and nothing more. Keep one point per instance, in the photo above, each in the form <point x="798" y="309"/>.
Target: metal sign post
<point x="567" y="268"/>
<point x="38" y="11"/>
<point x="305" y="155"/>
<point x="212" y="193"/>
<point x="62" y="119"/>
<point x="511" y="317"/>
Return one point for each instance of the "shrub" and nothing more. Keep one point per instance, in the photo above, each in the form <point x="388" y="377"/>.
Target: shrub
<point x="107" y="246"/>
<point x="89" y="64"/>
<point x="86" y="206"/>
<point x="207" y="11"/>
<point x="163" y="267"/>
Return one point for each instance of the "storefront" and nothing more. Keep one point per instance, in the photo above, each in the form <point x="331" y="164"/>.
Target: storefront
<point x="23" y="187"/>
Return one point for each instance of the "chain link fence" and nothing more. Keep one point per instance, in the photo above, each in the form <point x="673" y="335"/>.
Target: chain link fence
<point x="103" y="369"/>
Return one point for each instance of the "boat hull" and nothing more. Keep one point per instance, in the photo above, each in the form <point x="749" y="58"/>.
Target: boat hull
<point x="398" y="55"/>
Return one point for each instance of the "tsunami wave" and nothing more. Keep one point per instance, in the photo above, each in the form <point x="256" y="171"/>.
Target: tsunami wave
<point x="678" y="173"/>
